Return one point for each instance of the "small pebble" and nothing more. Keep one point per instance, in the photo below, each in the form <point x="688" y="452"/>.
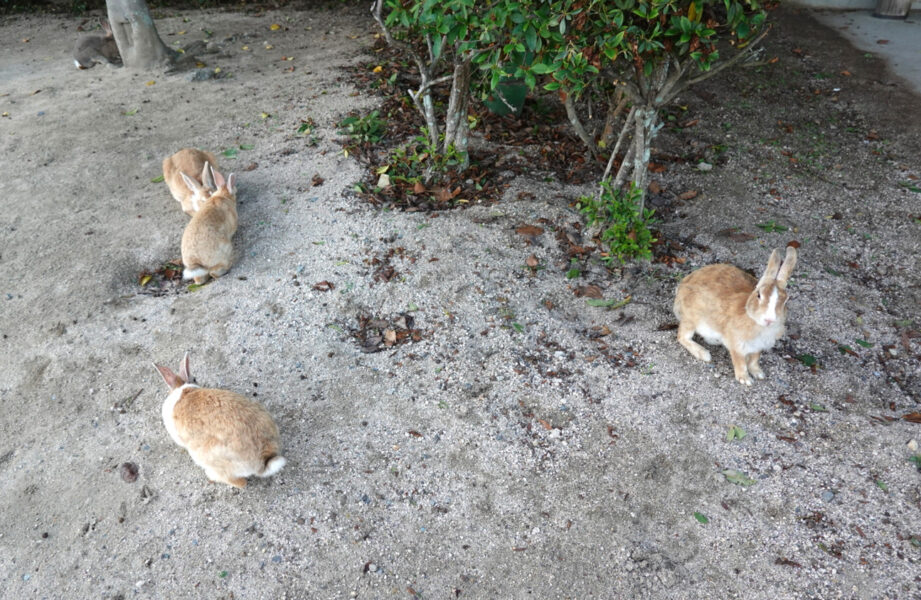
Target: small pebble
<point x="276" y="559"/>
<point x="372" y="568"/>
<point x="128" y="471"/>
<point x="702" y="166"/>
<point x="828" y="495"/>
<point x="913" y="445"/>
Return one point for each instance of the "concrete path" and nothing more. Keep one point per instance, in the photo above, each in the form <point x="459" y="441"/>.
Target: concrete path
<point x="898" y="41"/>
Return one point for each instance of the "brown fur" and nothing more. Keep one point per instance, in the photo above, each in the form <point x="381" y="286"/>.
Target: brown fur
<point x="90" y="50"/>
<point x="227" y="434"/>
<point x="192" y="162"/>
<point x="724" y="301"/>
<point x="225" y="430"/>
<point x="206" y="241"/>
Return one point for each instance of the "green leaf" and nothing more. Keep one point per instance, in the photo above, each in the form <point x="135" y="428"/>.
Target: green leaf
<point x="230" y="153"/>
<point x="195" y="286"/>
<point x="518" y="327"/>
<point x="771" y="226"/>
<point x="222" y="574"/>
<point x="817" y="407"/>
<point x="246" y="146"/>
<point x="542" y="69"/>
<point x="702" y="518"/>
<point x="916" y="459"/>
<point x="573" y="273"/>
<point x="608" y="303"/>
<point x="336" y="327"/>
<point x="864" y="343"/>
<point x="157" y="179"/>
<point x="412" y="307"/>
<point x="905" y="184"/>
<point x="807" y="359"/>
<point x="131" y="112"/>
<point x="733" y="476"/>
<point x="882" y="485"/>
<point x="735" y="433"/>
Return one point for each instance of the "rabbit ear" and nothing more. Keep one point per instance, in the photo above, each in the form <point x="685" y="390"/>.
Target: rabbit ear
<point x="206" y="177"/>
<point x="788" y="263"/>
<point x="184" y="369"/>
<point x="218" y="178"/>
<point x="172" y="380"/>
<point x="194" y="186"/>
<point x="232" y="184"/>
<point x="770" y="273"/>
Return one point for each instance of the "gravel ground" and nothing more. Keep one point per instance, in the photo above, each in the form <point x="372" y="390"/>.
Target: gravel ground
<point x="513" y="442"/>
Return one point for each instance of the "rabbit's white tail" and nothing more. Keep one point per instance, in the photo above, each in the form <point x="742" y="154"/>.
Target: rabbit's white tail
<point x="193" y="273"/>
<point x="273" y="466"/>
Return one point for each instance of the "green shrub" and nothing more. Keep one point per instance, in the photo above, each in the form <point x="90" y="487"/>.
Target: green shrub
<point x="369" y="128"/>
<point x="625" y="226"/>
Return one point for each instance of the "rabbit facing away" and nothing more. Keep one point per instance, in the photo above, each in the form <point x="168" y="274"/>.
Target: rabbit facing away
<point x="725" y="305"/>
<point x="207" y="250"/>
<point x="228" y="435"/>
<point x="92" y="49"/>
<point x="187" y="173"/>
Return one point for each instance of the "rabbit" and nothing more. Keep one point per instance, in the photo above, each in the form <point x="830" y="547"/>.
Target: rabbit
<point x="725" y="305"/>
<point x="228" y="435"/>
<point x="92" y="49"/>
<point x="189" y="190"/>
<point x="206" y="246"/>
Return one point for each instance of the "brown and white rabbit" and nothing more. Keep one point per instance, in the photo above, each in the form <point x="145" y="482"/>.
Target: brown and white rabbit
<point x="228" y="435"/>
<point x="206" y="242"/>
<point x="725" y="305"/>
<point x="187" y="173"/>
<point x="92" y="49"/>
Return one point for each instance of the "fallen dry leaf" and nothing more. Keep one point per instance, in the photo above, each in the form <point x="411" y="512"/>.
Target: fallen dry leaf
<point x="655" y="188"/>
<point x="532" y="261"/>
<point x="324" y="286"/>
<point x="793" y="244"/>
<point x="688" y="195"/>
<point x="588" y="291"/>
<point x="529" y="230"/>
<point x="418" y="188"/>
<point x="913" y="417"/>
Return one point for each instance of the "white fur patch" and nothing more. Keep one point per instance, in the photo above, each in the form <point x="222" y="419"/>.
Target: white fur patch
<point x="168" y="405"/>
<point x="710" y="335"/>
<point x="765" y="339"/>
<point x="274" y="466"/>
<point x="771" y="313"/>
<point x="193" y="273"/>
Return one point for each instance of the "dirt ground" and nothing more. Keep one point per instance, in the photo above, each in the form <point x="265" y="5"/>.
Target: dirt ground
<point x="516" y="443"/>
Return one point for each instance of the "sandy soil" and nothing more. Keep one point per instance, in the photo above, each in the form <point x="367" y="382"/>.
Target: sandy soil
<point x="526" y="445"/>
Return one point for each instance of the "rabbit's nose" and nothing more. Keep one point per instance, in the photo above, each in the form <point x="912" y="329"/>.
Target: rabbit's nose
<point x="768" y="321"/>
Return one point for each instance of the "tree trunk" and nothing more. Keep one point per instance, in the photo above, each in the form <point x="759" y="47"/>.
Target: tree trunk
<point x="456" y="126"/>
<point x="136" y="35"/>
